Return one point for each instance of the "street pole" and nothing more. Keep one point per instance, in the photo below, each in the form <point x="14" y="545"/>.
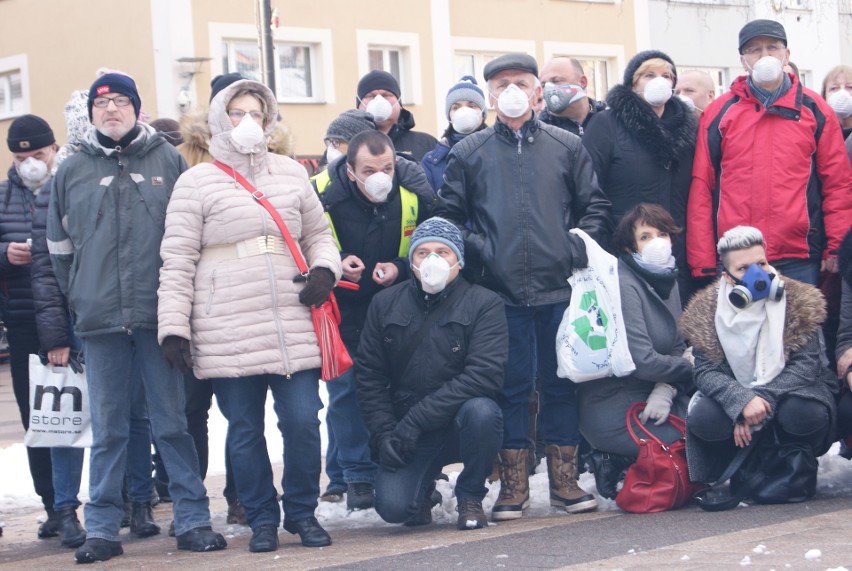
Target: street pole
<point x="267" y="55"/>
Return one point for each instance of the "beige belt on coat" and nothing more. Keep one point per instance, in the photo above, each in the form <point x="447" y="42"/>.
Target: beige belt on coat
<point x="245" y="248"/>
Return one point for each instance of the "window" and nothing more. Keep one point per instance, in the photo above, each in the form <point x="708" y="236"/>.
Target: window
<point x="303" y="69"/>
<point x="472" y="63"/>
<point x="14" y="94"/>
<point x="596" y="71"/>
<point x="397" y="53"/>
<point x="386" y="59"/>
<point x="717" y="73"/>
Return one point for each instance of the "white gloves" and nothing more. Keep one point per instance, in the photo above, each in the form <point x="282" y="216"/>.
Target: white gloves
<point x="658" y="404"/>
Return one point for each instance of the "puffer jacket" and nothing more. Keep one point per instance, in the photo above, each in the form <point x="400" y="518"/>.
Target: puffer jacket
<point x="781" y="169"/>
<point x="410" y="142"/>
<point x="51" y="307"/>
<point x="803" y="376"/>
<point x="569" y="124"/>
<point x="461" y="357"/>
<point x="104" y="226"/>
<point x="242" y="315"/>
<point x="371" y="231"/>
<point x="16" y="208"/>
<point x="517" y="200"/>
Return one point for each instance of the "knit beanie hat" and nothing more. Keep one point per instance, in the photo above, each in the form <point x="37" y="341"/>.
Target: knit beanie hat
<point x="438" y="229"/>
<point x="169" y="128"/>
<point x="348" y="124"/>
<point x="28" y="133"/>
<point x="466" y="90"/>
<point x="115" y="83"/>
<point x="220" y="82"/>
<point x="377" y="79"/>
<point x="641" y="58"/>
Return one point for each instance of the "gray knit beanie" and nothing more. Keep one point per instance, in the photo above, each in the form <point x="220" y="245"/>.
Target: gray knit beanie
<point x="438" y="229"/>
<point x="466" y="90"/>
<point x="348" y="124"/>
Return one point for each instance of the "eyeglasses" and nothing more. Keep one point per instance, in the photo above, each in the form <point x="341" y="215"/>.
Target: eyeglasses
<point x="120" y="101"/>
<point x="334" y="143"/>
<point x="238" y="114"/>
<point x="772" y="49"/>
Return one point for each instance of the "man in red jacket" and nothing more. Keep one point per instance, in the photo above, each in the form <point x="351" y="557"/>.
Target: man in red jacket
<point x="770" y="154"/>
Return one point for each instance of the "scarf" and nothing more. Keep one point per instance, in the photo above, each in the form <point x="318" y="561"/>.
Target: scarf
<point x="662" y="279"/>
<point x="752" y="338"/>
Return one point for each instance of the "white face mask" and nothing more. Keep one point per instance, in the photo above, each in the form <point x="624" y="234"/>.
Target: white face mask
<point x="377" y="186"/>
<point x="658" y="91"/>
<point x="658" y="251"/>
<point x="380" y="108"/>
<point x="841" y="103"/>
<point x="766" y="70"/>
<point x="332" y="154"/>
<point x="33" y="172"/>
<point x="247" y="135"/>
<point x="513" y="102"/>
<point x="465" y="120"/>
<point x="688" y="102"/>
<point x="434" y="273"/>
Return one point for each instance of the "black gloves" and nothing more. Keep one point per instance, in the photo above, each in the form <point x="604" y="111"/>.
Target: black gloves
<point x="407" y="434"/>
<point x="320" y="284"/>
<point x="177" y="354"/>
<point x="579" y="259"/>
<point x="390" y="457"/>
<point x="398" y="446"/>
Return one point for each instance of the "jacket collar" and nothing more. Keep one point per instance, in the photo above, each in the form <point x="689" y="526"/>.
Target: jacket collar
<point x="788" y="105"/>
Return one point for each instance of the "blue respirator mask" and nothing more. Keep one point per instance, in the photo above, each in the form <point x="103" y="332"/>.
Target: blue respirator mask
<point x="756" y="284"/>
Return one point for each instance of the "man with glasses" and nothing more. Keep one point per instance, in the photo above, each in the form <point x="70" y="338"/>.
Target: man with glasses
<point x="105" y="223"/>
<point x="564" y="89"/>
<point x="517" y="188"/>
<point x="770" y="154"/>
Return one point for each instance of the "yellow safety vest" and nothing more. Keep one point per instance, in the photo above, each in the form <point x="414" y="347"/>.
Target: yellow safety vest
<point x="409" y="203"/>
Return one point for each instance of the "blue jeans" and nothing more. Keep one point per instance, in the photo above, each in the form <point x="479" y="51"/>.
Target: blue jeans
<point x="67" y="466"/>
<point x="296" y="402"/>
<point x="532" y="351"/>
<point x="117" y="363"/>
<point x="347" y="458"/>
<point x="473" y="437"/>
<point x="138" y="472"/>
<point x="804" y="270"/>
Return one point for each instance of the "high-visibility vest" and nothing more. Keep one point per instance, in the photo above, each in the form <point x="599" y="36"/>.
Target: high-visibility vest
<point x="408" y="201"/>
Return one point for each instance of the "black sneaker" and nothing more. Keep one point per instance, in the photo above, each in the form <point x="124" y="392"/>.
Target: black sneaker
<point x="201" y="539"/>
<point x="310" y="531"/>
<point x="471" y="514"/>
<point x="360" y="496"/>
<point x="142" y="520"/>
<point x="333" y="493"/>
<point x="264" y="538"/>
<point x="97" y="549"/>
<point x="50" y="527"/>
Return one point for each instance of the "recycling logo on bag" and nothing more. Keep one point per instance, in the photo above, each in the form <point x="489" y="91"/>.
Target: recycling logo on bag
<point x="591" y="327"/>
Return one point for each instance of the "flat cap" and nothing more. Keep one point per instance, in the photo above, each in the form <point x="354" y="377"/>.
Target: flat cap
<point x="520" y="62"/>
<point x="757" y="28"/>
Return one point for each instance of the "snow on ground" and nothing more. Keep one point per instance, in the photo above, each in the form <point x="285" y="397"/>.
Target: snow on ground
<point x="16" y="491"/>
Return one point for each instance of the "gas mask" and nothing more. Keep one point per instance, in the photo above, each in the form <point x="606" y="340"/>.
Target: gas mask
<point x="756" y="284"/>
<point x="558" y="97"/>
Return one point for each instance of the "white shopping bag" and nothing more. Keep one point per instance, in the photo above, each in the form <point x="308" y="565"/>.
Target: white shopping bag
<point x="591" y="342"/>
<point x="59" y="407"/>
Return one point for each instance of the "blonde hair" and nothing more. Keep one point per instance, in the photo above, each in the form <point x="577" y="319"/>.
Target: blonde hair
<point x="833" y="73"/>
<point x="648" y="64"/>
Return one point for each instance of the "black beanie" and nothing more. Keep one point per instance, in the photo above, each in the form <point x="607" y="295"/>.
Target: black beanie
<point x="377" y="79"/>
<point x="220" y="82"/>
<point x="28" y="133"/>
<point x="641" y="58"/>
<point x="115" y="83"/>
<point x="348" y="124"/>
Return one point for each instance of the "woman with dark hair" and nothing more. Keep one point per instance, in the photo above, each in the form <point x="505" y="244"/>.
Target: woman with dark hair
<point x="651" y="306"/>
<point x="466" y="111"/>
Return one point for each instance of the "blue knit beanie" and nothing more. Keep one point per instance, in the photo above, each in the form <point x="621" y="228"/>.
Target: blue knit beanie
<point x="115" y="83"/>
<point x="438" y="229"/>
<point x="466" y="90"/>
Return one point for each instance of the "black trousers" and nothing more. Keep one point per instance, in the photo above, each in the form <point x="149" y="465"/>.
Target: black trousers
<point x="23" y="340"/>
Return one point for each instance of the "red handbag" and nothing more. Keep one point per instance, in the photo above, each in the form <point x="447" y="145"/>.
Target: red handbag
<point x="659" y="479"/>
<point x="326" y="318"/>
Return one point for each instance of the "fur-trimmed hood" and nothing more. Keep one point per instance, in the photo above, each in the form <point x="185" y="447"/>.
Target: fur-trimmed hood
<point x="665" y="137"/>
<point x="805" y="314"/>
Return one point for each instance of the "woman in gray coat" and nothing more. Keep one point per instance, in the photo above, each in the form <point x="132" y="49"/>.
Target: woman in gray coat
<point x="651" y="306"/>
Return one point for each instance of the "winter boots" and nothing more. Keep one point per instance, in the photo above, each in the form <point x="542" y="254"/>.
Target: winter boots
<point x="563" y="474"/>
<point x="514" y="485"/>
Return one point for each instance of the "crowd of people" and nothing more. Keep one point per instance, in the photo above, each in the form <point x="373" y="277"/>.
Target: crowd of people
<point x="143" y="248"/>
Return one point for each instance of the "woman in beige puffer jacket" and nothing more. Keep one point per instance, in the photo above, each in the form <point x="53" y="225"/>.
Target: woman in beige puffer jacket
<point x="229" y="284"/>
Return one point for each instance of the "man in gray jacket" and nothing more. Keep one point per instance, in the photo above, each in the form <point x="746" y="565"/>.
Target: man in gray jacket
<point x="517" y="188"/>
<point x="105" y="223"/>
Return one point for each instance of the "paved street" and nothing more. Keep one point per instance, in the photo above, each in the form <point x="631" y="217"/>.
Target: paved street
<point x="757" y="537"/>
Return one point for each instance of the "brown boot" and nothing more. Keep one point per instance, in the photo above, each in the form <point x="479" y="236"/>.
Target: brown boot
<point x="562" y="472"/>
<point x="514" y="485"/>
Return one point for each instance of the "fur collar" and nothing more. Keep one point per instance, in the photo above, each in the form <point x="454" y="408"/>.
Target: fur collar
<point x="666" y="137"/>
<point x="805" y="314"/>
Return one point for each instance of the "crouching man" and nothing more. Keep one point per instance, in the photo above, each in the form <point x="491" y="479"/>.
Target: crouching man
<point x="430" y="367"/>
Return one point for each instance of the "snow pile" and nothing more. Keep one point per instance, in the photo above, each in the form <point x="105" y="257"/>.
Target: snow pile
<point x="813" y="555"/>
